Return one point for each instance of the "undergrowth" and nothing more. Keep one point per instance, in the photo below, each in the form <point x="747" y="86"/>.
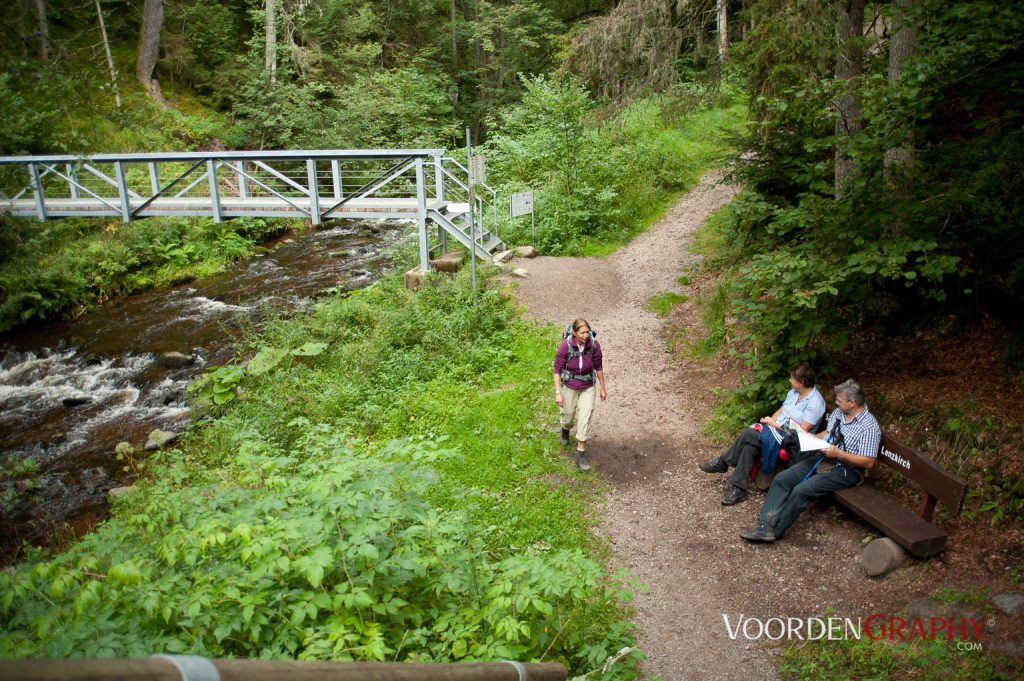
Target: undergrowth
<point x="865" y="658"/>
<point x="391" y="497"/>
<point x="64" y="267"/>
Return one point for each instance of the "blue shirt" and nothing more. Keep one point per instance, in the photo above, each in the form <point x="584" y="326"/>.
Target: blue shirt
<point x="808" y="409"/>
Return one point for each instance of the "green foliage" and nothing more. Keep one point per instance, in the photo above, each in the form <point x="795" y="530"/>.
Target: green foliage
<point x="597" y="185"/>
<point x="294" y="526"/>
<point x="865" y="658"/>
<point x="904" y="244"/>
<point x="322" y="550"/>
<point x="62" y="267"/>
<point x="219" y="385"/>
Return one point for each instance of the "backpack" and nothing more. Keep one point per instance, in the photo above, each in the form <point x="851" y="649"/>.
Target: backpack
<point x="574" y="352"/>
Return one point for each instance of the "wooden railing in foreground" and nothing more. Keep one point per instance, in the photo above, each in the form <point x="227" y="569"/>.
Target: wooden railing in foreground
<point x="169" y="668"/>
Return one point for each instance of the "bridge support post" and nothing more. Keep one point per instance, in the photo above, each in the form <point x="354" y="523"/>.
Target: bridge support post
<point x="438" y="180"/>
<point x="154" y="178"/>
<point x="314" y="192"/>
<point x="122" y="191"/>
<point x="211" y="173"/>
<point x="336" y="178"/>
<point x="243" y="186"/>
<point x="37" y="190"/>
<point x="72" y="174"/>
<point x="421" y="215"/>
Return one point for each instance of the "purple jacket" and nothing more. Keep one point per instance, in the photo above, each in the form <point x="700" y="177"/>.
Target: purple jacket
<point x="584" y="364"/>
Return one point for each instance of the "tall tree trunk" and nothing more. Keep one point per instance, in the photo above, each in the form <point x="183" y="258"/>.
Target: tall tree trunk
<point x="901" y="47"/>
<point x="849" y="65"/>
<point x="149" y="48"/>
<point x="270" y="50"/>
<point x="455" y="46"/>
<point x="44" y="30"/>
<point x="110" y="59"/>
<point x="723" y="31"/>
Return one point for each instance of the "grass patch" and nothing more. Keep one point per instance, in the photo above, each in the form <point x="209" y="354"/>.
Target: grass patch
<point x="662" y="303"/>
<point x="393" y="497"/>
<point x="869" y="659"/>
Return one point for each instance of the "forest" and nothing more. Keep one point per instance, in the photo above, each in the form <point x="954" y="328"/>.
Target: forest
<point x="880" y="151"/>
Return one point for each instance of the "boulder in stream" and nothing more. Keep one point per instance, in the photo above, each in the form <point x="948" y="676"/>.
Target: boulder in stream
<point x="159" y="439"/>
<point x="174" y="360"/>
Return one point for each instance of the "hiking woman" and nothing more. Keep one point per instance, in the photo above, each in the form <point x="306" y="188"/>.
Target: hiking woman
<point x="578" y="368"/>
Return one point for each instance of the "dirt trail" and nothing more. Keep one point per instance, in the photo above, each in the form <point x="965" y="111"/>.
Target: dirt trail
<point x="640" y="441"/>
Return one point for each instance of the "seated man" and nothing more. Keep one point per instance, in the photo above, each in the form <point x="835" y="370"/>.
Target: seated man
<point x="854" y="436"/>
<point x="803" y="405"/>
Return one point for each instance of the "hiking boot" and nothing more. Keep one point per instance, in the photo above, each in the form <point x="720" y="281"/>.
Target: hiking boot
<point x="734" y="496"/>
<point x="565" y="437"/>
<point x="759" y="533"/>
<point x="581" y="461"/>
<point x="716" y="465"/>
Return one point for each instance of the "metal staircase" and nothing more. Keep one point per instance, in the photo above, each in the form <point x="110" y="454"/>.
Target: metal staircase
<point x="402" y="184"/>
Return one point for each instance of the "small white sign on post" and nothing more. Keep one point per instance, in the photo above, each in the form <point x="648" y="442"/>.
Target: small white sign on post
<point x="522" y="204"/>
<point x="477" y="170"/>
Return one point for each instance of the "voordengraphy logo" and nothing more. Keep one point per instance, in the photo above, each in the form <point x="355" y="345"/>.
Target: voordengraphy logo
<point x="875" y="627"/>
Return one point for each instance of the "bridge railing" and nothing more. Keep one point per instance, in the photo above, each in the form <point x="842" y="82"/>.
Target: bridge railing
<point x="409" y="184"/>
<point x="317" y="184"/>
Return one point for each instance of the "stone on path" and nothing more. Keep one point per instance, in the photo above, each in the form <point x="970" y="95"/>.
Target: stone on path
<point x="521" y="273"/>
<point x="159" y="438"/>
<point x="502" y="256"/>
<point x="882" y="556"/>
<point x="526" y="252"/>
<point x="1011" y="604"/>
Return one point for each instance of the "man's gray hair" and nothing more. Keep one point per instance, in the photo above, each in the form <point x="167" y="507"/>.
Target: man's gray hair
<point x="851" y="390"/>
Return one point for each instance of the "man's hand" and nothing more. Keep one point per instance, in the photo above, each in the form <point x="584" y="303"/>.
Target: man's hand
<point x="831" y="452"/>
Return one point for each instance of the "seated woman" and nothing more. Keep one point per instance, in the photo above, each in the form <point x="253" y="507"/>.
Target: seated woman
<point x="804" y="406"/>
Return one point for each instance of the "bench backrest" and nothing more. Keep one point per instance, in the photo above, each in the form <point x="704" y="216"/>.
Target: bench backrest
<point x="938" y="484"/>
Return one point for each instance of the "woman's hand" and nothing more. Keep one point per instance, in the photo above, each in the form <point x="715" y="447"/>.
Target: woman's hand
<point x="558" y="398"/>
<point x="604" y="394"/>
<point x="768" y="420"/>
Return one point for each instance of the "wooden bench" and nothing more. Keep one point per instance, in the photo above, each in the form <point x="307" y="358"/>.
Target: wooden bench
<point x="912" y="530"/>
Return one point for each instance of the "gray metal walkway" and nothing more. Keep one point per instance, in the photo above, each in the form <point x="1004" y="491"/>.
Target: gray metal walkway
<point x="419" y="185"/>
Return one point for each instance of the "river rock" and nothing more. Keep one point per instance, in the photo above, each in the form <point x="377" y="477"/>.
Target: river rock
<point x="502" y="256"/>
<point x="449" y="262"/>
<point x="175" y="360"/>
<point x="118" y="492"/>
<point x="882" y="556"/>
<point x="526" y="252"/>
<point x="520" y="272"/>
<point x="71" y="402"/>
<point x="1011" y="604"/>
<point x="159" y="438"/>
<point x="414" y="278"/>
<point x="180" y="281"/>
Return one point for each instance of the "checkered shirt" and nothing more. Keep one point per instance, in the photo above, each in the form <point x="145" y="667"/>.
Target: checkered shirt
<point x="861" y="436"/>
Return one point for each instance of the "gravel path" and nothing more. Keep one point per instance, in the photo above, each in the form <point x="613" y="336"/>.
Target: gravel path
<point x="639" y="442"/>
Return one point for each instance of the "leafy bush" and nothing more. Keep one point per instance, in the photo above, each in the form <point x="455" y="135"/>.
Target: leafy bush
<point x="322" y="550"/>
<point x="598" y="184"/>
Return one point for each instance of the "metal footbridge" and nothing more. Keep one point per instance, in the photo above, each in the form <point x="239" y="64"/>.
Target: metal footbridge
<point x="419" y="185"/>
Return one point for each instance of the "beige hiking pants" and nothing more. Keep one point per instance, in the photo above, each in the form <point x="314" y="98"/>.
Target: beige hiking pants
<point x="578" y="407"/>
